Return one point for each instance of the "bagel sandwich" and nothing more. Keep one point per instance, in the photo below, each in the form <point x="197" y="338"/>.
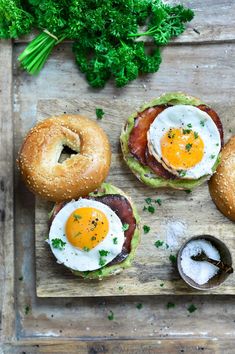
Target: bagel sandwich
<point x="95" y="236"/>
<point x="84" y="169"/>
<point x="173" y="141"/>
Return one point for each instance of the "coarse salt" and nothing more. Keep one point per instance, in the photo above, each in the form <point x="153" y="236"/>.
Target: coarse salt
<point x="199" y="271"/>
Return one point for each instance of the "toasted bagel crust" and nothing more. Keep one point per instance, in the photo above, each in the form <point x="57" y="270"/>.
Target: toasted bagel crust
<point x="78" y="175"/>
<point x="222" y="183"/>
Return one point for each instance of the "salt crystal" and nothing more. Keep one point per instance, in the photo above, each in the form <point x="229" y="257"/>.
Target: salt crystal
<point x="175" y="231"/>
<point x="199" y="271"/>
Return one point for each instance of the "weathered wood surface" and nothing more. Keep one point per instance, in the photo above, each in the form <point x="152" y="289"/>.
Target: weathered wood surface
<point x="6" y="195"/>
<point x="214" y="21"/>
<point x="166" y="346"/>
<point x="195" y="212"/>
<point x="203" y="70"/>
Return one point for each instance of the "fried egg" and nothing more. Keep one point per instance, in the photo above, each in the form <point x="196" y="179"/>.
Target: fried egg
<point x="185" y="140"/>
<point x="86" y="235"/>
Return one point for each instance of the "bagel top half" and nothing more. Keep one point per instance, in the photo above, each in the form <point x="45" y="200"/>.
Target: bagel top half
<point x="78" y="175"/>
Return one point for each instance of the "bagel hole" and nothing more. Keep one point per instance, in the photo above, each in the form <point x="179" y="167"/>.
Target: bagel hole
<point x="66" y="153"/>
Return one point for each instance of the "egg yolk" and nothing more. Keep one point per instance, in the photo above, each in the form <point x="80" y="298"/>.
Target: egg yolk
<point x="182" y="148"/>
<point x="86" y="228"/>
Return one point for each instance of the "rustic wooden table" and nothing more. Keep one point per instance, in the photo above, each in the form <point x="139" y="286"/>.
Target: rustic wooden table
<point x="202" y="63"/>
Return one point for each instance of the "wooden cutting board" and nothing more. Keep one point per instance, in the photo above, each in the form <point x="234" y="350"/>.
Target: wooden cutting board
<point x="180" y="216"/>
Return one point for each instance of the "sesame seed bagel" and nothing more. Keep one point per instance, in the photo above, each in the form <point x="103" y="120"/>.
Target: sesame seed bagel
<point x="78" y="175"/>
<point x="222" y="184"/>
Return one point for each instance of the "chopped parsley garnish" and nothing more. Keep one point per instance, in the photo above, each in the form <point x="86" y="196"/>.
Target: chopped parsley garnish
<point x="151" y="209"/>
<point x="58" y="243"/>
<point x="202" y="122"/>
<point x="217" y="144"/>
<point x="139" y="306"/>
<point x="93" y="238"/>
<point x="195" y="135"/>
<point x="189" y="125"/>
<point x="99" y="113"/>
<point x="192" y="308"/>
<point x="76" y="217"/>
<point x="120" y="288"/>
<point x="27" y="309"/>
<point x="230" y="130"/>
<point x="172" y="258"/>
<point x="146" y="229"/>
<point x="187" y="131"/>
<point x="115" y="241"/>
<point x="125" y="227"/>
<point x="182" y="173"/>
<point x="21" y="278"/>
<point x="102" y="261"/>
<point x="86" y="249"/>
<point x="212" y="157"/>
<point x="170" y="134"/>
<point x="158" y="201"/>
<point x="148" y="200"/>
<point x="78" y="234"/>
<point x="188" y="147"/>
<point x="111" y="315"/>
<point x="103" y="253"/>
<point x="159" y="243"/>
<point x="188" y="191"/>
<point x="161" y="285"/>
<point x="170" y="305"/>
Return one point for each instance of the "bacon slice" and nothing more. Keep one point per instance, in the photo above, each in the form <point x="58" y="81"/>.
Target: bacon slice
<point x="122" y="207"/>
<point x="137" y="143"/>
<point x="214" y="116"/>
<point x="138" y="137"/>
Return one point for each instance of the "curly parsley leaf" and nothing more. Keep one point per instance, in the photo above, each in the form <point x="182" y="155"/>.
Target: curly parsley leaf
<point x="58" y="243"/>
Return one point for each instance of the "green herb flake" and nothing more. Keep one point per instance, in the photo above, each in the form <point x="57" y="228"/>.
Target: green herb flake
<point x="189" y="125"/>
<point x="58" y="243"/>
<point x="192" y="308"/>
<point x="148" y="200"/>
<point x="212" y="157"/>
<point x="120" y="288"/>
<point x="146" y="229"/>
<point x="111" y="315"/>
<point x="139" y="306"/>
<point x="86" y="249"/>
<point x="93" y="238"/>
<point x="102" y="261"/>
<point x="161" y="285"/>
<point x="158" y="201"/>
<point x="217" y="144"/>
<point x="172" y="258"/>
<point x="27" y="309"/>
<point x="99" y="113"/>
<point x="21" y="278"/>
<point x="187" y="131"/>
<point x="159" y="243"/>
<point x="188" y="147"/>
<point x="170" y="305"/>
<point x="151" y="209"/>
<point x="76" y="217"/>
<point x="182" y="173"/>
<point x="230" y="130"/>
<point x="115" y="240"/>
<point x="202" y="123"/>
<point x="103" y="253"/>
<point x="188" y="191"/>
<point x="125" y="227"/>
<point x="195" y="135"/>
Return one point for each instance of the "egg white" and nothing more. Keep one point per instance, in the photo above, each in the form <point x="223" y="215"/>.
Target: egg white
<point x="75" y="258"/>
<point x="179" y="116"/>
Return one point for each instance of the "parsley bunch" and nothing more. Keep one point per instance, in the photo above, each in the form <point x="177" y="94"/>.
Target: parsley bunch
<point x="104" y="34"/>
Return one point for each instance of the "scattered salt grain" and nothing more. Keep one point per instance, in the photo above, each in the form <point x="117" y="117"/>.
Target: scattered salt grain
<point x="199" y="271"/>
<point x="175" y="231"/>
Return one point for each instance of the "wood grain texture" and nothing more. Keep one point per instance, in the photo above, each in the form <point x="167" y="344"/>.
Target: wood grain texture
<point x="166" y="346"/>
<point x="213" y="22"/>
<point x="201" y="70"/>
<point x="6" y="195"/>
<point x="152" y="267"/>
